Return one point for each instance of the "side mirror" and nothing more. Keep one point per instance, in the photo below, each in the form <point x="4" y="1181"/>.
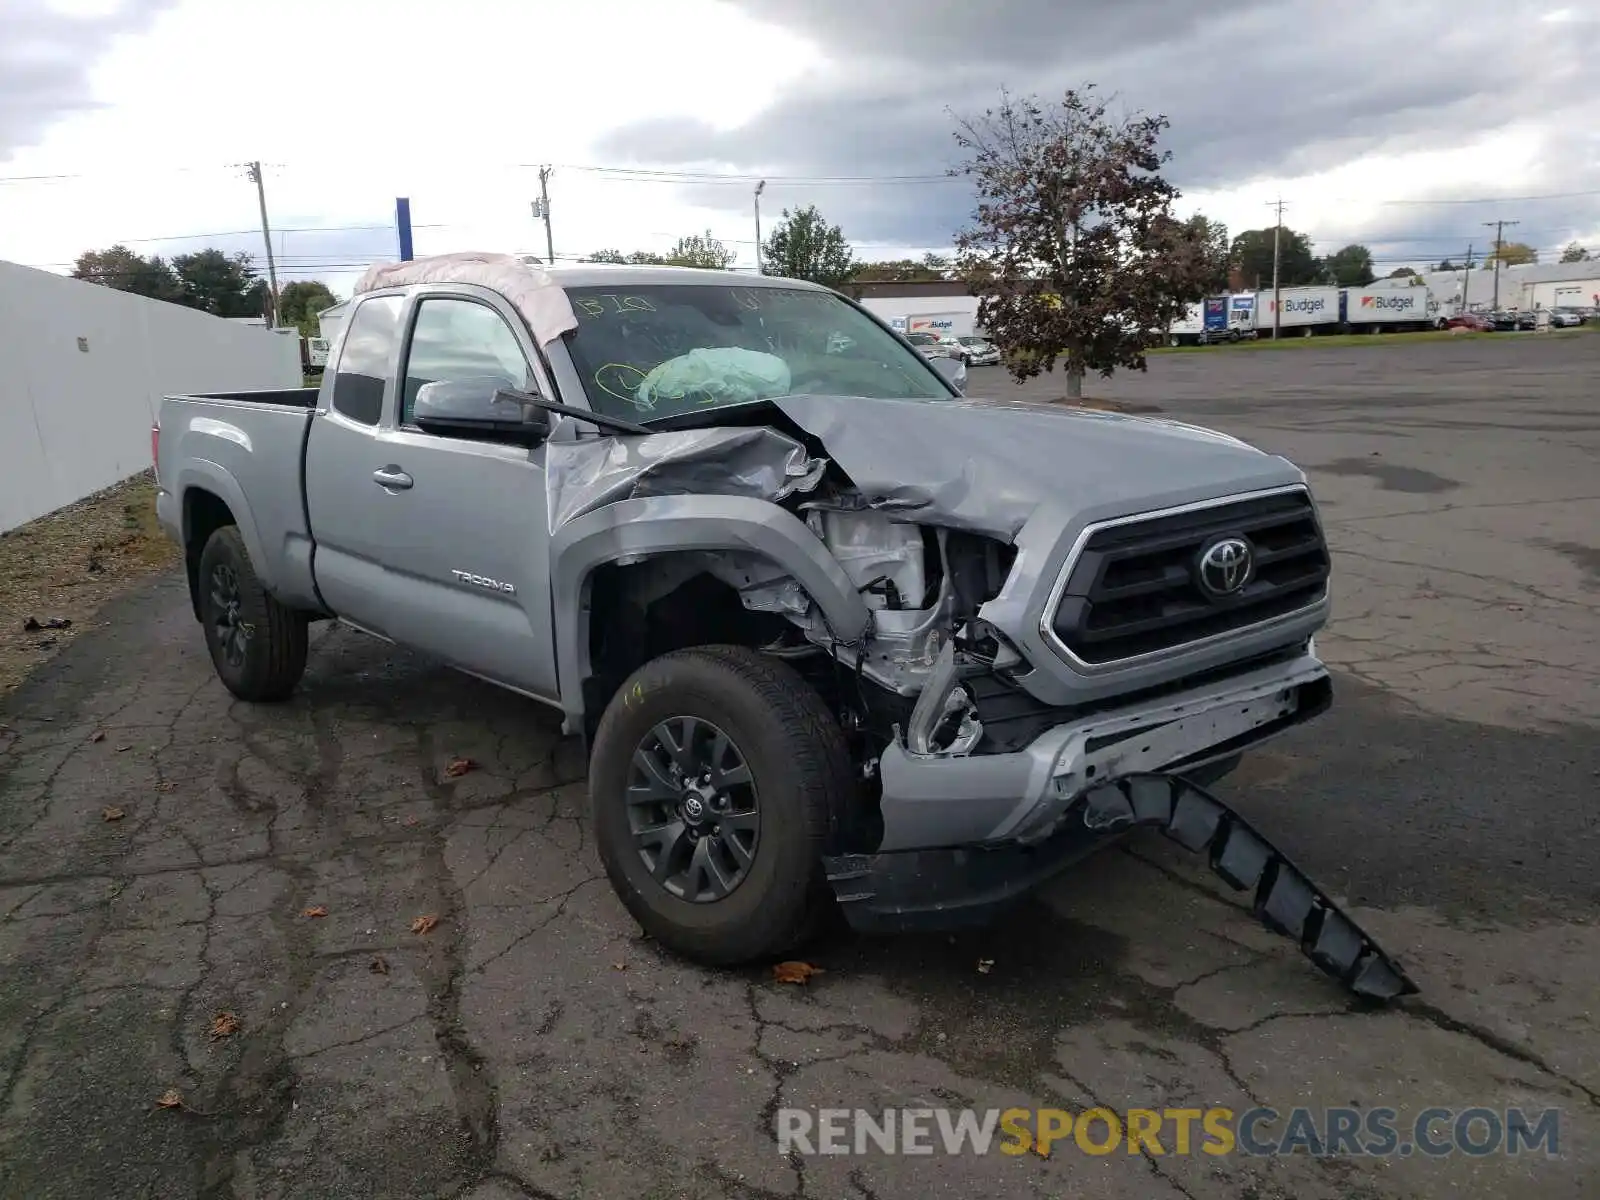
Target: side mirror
<point x="485" y="406"/>
<point x="954" y="370"/>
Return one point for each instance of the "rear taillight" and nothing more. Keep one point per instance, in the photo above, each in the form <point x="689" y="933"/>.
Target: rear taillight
<point x="155" y="449"/>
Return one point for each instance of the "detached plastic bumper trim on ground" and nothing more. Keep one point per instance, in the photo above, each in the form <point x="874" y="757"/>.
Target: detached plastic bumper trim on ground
<point x="958" y="888"/>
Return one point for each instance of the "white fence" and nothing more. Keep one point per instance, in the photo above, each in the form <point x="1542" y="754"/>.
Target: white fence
<point x="82" y="372"/>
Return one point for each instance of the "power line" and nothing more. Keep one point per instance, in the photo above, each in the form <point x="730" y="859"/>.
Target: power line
<point x="694" y="176"/>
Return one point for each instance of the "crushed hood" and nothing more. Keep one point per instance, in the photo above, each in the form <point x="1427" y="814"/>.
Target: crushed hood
<point x="985" y="466"/>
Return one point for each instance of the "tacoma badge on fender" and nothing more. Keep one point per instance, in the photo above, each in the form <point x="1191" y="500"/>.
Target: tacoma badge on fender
<point x="483" y="581"/>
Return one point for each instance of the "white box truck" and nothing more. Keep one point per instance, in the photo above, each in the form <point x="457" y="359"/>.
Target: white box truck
<point x="1390" y="309"/>
<point x="1304" y="310"/>
<point x="940" y="324"/>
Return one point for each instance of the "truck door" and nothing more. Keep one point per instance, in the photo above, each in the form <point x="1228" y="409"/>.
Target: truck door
<point x="439" y="542"/>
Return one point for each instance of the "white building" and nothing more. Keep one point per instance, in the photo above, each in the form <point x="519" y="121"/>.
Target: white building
<point x="83" y="369"/>
<point x="1536" y="285"/>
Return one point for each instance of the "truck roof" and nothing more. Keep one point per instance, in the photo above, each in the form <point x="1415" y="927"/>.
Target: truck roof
<point x="605" y="274"/>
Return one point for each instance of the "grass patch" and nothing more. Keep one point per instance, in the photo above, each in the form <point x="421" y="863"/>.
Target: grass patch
<point x="65" y="566"/>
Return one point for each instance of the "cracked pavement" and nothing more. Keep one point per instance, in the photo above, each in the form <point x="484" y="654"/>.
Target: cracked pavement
<point x="532" y="1045"/>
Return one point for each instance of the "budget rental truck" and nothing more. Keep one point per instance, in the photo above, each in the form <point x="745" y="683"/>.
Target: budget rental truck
<point x="829" y="633"/>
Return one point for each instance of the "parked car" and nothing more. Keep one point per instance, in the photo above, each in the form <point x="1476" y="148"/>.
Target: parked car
<point x="980" y="351"/>
<point x="1512" y="319"/>
<point x="1474" y="321"/>
<point x="1565" y="318"/>
<point x="776" y="593"/>
<point x="929" y="345"/>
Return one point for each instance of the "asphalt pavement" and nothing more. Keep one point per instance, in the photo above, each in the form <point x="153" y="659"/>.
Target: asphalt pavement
<point x="168" y="855"/>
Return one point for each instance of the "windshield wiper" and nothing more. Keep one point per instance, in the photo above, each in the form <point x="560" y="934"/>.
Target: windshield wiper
<point x="582" y="414"/>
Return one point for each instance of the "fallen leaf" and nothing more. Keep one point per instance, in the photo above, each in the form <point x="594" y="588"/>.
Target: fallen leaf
<point x="97" y="736"/>
<point x="120" y="749"/>
<point x="794" y="972"/>
<point x="112" y="813"/>
<point x="457" y="767"/>
<point x="1035" y="1148"/>
<point x="223" y="1025"/>
<point x="171" y="1098"/>
<point x="409" y="821"/>
<point x="165" y="786"/>
<point x="1513" y="608"/>
<point x="619" y="966"/>
<point x="424" y="924"/>
<point x="379" y="965"/>
<point x="316" y="910"/>
<point x="985" y="965"/>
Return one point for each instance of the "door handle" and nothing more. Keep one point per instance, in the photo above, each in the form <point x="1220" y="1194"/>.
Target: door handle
<point x="392" y="477"/>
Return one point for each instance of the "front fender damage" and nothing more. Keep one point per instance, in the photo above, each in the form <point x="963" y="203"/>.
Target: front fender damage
<point x="925" y="889"/>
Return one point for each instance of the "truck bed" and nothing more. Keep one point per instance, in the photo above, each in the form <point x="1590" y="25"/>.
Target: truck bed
<point x="301" y="397"/>
<point x="242" y="452"/>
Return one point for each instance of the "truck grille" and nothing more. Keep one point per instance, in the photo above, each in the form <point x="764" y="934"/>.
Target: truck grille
<point x="1137" y="587"/>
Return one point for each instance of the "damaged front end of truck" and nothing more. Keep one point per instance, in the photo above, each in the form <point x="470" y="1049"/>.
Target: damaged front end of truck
<point x="1038" y="629"/>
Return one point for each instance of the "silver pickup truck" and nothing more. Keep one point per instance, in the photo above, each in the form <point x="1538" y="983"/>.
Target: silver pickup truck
<point x="832" y="633"/>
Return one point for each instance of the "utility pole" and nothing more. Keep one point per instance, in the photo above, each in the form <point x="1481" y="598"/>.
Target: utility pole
<point x="1277" y="291"/>
<point x="1466" y="278"/>
<point x="1499" y="243"/>
<point x="542" y="209"/>
<point x="759" y="188"/>
<point x="253" y="169"/>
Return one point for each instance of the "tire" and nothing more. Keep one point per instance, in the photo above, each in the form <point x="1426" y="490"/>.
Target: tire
<point x="801" y="781"/>
<point x="264" y="660"/>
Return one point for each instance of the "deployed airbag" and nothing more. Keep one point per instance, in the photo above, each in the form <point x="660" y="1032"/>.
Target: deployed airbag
<point x="717" y="375"/>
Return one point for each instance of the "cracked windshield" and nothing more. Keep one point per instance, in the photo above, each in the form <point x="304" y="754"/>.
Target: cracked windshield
<point x="664" y="350"/>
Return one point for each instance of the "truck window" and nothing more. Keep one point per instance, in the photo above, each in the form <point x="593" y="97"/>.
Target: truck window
<point x="459" y="339"/>
<point x="364" y="361"/>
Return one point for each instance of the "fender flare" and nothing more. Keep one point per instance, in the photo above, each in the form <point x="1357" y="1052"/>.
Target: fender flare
<point x="661" y="525"/>
<point x="213" y="477"/>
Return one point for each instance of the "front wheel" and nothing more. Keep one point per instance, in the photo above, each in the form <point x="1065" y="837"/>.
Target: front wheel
<point x="716" y="780"/>
<point x="257" y="645"/>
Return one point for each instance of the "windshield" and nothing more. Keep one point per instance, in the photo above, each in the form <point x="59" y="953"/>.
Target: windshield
<point x="652" y="351"/>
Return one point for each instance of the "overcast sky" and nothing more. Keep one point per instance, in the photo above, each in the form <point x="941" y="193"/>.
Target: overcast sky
<point x="122" y="120"/>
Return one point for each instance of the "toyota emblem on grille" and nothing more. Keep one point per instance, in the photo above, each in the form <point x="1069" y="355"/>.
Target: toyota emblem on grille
<point x="1226" y="566"/>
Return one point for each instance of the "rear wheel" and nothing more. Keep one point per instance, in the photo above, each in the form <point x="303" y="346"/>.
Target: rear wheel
<point x="716" y="780"/>
<point x="257" y="645"/>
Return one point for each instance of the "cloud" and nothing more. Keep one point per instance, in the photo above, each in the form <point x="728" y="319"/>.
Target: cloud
<point x="1259" y="95"/>
<point x="46" y="53"/>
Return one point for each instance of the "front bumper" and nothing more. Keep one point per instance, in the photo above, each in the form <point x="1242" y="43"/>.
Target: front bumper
<point x="946" y="889"/>
<point x="933" y="802"/>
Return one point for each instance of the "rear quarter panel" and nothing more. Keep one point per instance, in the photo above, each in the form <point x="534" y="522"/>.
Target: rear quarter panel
<point x="248" y="455"/>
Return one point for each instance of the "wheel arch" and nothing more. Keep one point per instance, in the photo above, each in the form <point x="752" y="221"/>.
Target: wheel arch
<point x="209" y="499"/>
<point x="633" y="532"/>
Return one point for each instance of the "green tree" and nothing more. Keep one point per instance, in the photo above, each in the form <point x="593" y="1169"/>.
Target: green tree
<point x="1212" y="237"/>
<point x="1402" y="273"/>
<point x="804" y="246"/>
<point x="1350" y="267"/>
<point x="1452" y="265"/>
<point x="607" y="256"/>
<point x="700" y="251"/>
<point x="1575" y="253"/>
<point x="1512" y="254"/>
<point x="224" y="285"/>
<point x="1073" y="245"/>
<point x="299" y="303"/>
<point x="122" y="269"/>
<point x="1297" y="266"/>
<point x="901" y="270"/>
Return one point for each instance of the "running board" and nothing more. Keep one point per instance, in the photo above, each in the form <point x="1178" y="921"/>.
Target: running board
<point x="1284" y="899"/>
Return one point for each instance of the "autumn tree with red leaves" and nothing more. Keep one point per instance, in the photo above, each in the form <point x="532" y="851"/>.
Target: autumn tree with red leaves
<point x="1073" y="245"/>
